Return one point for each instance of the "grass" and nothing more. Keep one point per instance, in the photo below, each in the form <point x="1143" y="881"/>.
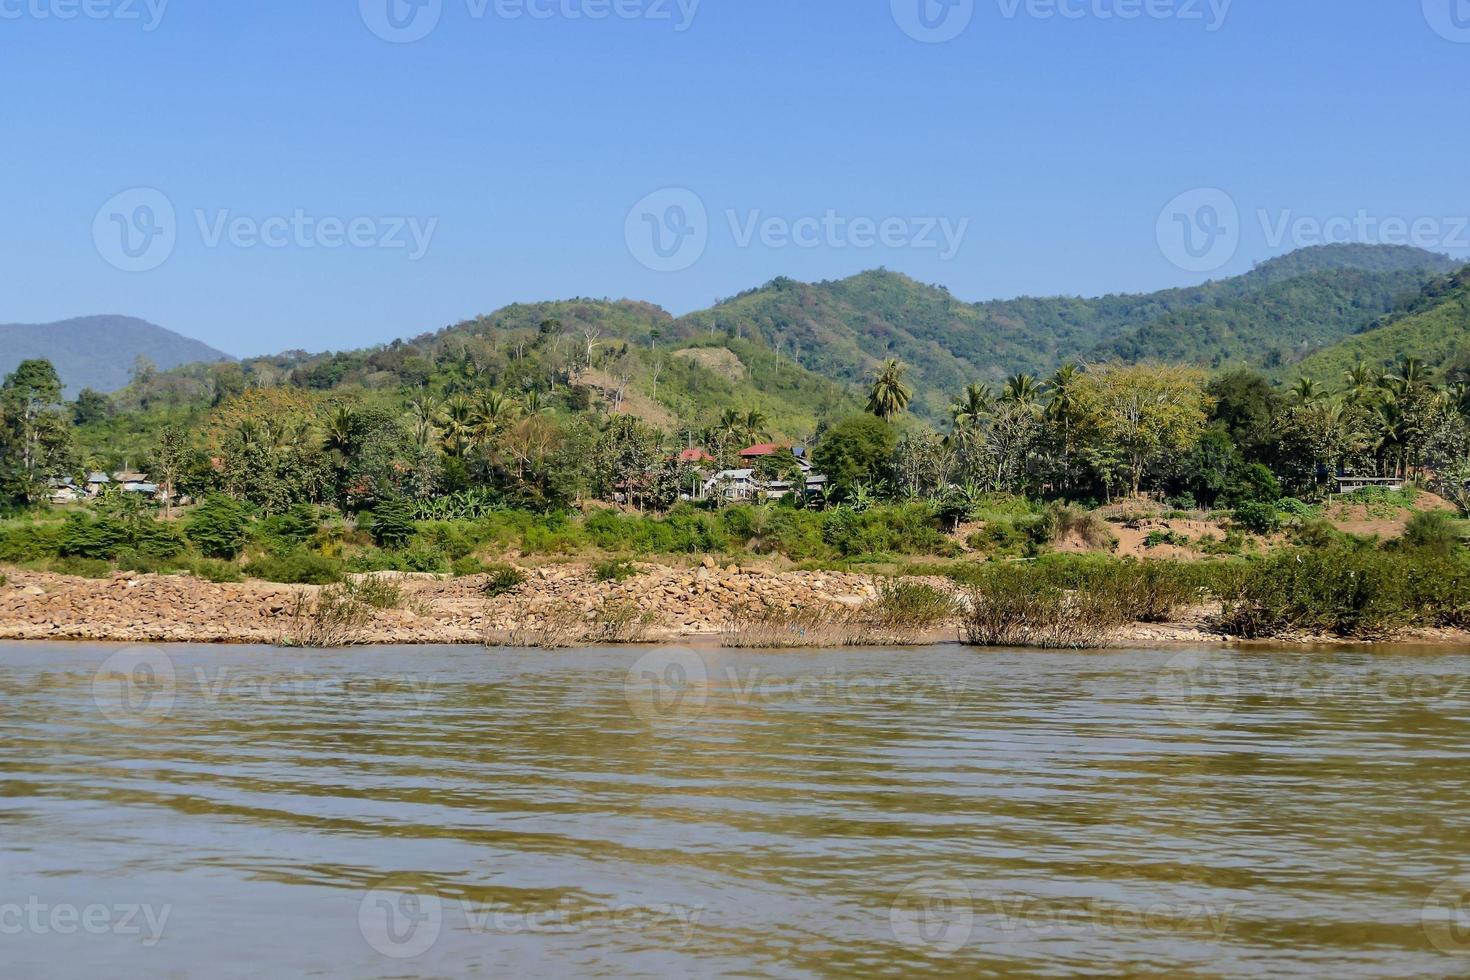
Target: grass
<point x="336" y="616"/>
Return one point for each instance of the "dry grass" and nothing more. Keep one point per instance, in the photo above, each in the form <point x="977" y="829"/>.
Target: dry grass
<point x="1013" y="612"/>
<point x="562" y="625"/>
<point x="767" y="627"/>
<point x="336" y="617"/>
<point x="903" y="613"/>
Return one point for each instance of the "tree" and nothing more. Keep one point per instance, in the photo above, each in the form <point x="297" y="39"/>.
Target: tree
<point x="1147" y="411"/>
<point x="172" y="455"/>
<point x="889" y="397"/>
<point x="392" y="523"/>
<point x="35" y="439"/>
<point x="91" y="407"/>
<point x="855" y="450"/>
<point x="219" y="526"/>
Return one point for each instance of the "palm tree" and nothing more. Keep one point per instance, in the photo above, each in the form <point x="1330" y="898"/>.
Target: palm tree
<point x="973" y="407"/>
<point x="889" y="396"/>
<point x="1360" y="382"/>
<point x="1062" y="408"/>
<point x="754" y="426"/>
<point x="1307" y="392"/>
<point x="1022" y="390"/>
<point x="339" y="430"/>
<point x="492" y="412"/>
<point x="458" y="424"/>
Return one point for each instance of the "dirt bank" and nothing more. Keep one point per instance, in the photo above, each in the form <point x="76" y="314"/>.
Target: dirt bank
<point x="667" y="603"/>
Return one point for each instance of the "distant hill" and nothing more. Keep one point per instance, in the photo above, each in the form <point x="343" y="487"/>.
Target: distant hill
<point x="1276" y="314"/>
<point x="99" y="352"/>
<point x="1435" y="328"/>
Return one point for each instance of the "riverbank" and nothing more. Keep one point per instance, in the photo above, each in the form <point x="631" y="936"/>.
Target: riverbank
<point x="657" y="604"/>
<point x="555" y="606"/>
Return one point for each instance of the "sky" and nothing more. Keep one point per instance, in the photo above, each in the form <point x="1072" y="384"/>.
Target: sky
<point x="331" y="174"/>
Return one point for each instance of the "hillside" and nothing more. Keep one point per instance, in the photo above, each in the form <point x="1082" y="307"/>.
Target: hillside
<point x="1435" y="329"/>
<point x="99" y="352"/>
<point x="1276" y="314"/>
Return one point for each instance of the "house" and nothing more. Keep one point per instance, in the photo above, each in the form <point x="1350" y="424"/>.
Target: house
<point x="97" y="482"/>
<point x="63" y="491"/>
<point x="763" y="449"/>
<point x="1352" y="484"/>
<point x="695" y="457"/>
<point x="731" y="485"/>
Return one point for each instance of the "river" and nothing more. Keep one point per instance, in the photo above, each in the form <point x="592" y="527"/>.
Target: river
<point x="436" y="812"/>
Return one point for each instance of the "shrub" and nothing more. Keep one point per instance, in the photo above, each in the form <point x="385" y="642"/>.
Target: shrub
<point x="377" y="591"/>
<point x="903" y="612"/>
<point x="502" y="579"/>
<point x="295" y="527"/>
<point x="467" y="566"/>
<point x="216" y="571"/>
<point x="1255" y="484"/>
<point x="614" y="570"/>
<point x="621" y="621"/>
<point x="99" y="538"/>
<point x="1344" y="591"/>
<point x="903" y="529"/>
<point x="218" y="527"/>
<point x="296" y="568"/>
<point x="767" y="627"/>
<point x="1433" y="530"/>
<point x="1092" y="530"/>
<point x="1258" y="518"/>
<point x="27" y="541"/>
<point x="392" y="523"/>
<point x="1012" y="606"/>
<point x="82" y="567"/>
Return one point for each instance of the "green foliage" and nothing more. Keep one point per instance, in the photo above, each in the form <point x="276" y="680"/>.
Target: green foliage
<point x="1255" y="484"/>
<point x="216" y="571"/>
<point x="502" y="579"/>
<point x="903" y="529"/>
<point x="392" y="525"/>
<point x="23" y="541"/>
<point x="856" y="450"/>
<point x="1258" y="518"/>
<point x="1434" y="530"/>
<point x="219" y="526"/>
<point x="296" y="568"/>
<point x="1347" y="591"/>
<point x="614" y="570"/>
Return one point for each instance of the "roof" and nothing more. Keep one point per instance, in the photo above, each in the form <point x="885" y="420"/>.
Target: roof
<point x="761" y="449"/>
<point x="695" y="456"/>
<point x="98" y="478"/>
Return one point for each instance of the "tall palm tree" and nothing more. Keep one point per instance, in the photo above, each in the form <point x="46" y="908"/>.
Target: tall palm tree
<point x="755" y="426"/>
<point x="1022" y="390"/>
<point x="458" y="424"/>
<point x="890" y="397"/>
<point x="1062" y="409"/>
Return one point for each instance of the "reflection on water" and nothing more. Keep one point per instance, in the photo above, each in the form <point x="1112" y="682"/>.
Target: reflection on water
<point x="425" y="812"/>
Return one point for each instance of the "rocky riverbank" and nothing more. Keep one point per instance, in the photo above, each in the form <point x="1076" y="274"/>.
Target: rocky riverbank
<point x="660" y="603"/>
<point x="560" y="605"/>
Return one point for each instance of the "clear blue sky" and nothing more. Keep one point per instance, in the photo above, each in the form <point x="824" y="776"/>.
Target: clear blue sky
<point x="529" y="140"/>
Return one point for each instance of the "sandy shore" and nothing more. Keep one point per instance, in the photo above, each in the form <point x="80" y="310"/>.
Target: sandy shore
<point x="668" y="604"/>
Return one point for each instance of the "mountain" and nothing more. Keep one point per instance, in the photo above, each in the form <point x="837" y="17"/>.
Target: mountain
<point x="1435" y="328"/>
<point x="1276" y="314"/>
<point x="99" y="352"/>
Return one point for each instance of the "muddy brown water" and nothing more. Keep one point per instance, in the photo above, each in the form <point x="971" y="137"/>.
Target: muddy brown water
<point x="179" y="811"/>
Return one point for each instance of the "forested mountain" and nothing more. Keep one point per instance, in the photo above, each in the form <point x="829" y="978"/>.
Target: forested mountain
<point x="99" y="352"/>
<point x="1434" y="329"/>
<point x="1274" y="315"/>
